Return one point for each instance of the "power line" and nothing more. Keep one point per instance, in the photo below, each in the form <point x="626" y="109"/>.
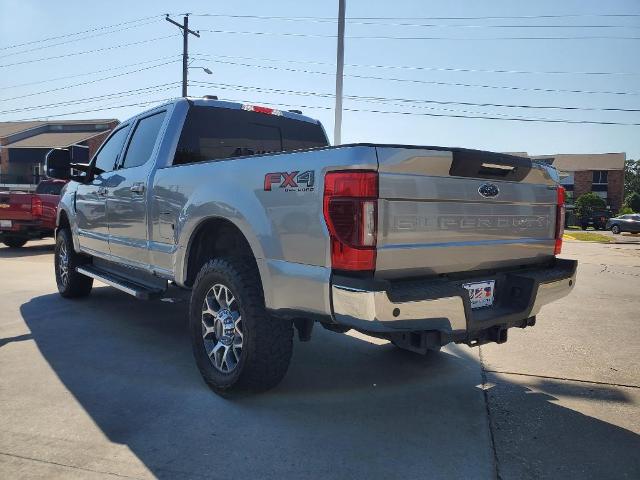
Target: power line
<point x="78" y="33"/>
<point x="478" y="117"/>
<point x="158" y="101"/>
<point x="42" y="47"/>
<point x="413" y="100"/>
<point x="431" y="82"/>
<point x="430" y="69"/>
<point x="377" y="21"/>
<point x="363" y="99"/>
<point x="107" y="96"/>
<point x="113" y="47"/>
<point x="87" y="73"/>
<point x="475" y="117"/>
<point x="509" y="17"/>
<point x="66" y="87"/>
<point x="440" y="25"/>
<point x="389" y="37"/>
<point x="503" y="17"/>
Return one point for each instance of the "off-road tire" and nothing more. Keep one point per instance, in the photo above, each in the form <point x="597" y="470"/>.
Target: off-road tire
<point x="14" y="242"/>
<point x="267" y="342"/>
<point x="76" y="285"/>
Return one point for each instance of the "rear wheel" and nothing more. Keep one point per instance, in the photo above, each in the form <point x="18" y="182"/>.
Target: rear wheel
<point x="236" y="343"/>
<point x="615" y="230"/>
<point x="14" y="242"/>
<point x="71" y="284"/>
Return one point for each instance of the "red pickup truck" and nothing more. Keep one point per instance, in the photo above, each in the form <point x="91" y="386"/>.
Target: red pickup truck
<point x="28" y="216"/>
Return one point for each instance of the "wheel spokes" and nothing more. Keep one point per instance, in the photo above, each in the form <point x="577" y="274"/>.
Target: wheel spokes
<point x="218" y="293"/>
<point x="206" y="328"/>
<point x="63" y="263"/>
<point x="210" y="305"/>
<point x="222" y="328"/>
<point x="228" y="297"/>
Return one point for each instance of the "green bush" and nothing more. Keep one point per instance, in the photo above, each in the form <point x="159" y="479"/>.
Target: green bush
<point x="625" y="210"/>
<point x="587" y="202"/>
<point x="633" y="202"/>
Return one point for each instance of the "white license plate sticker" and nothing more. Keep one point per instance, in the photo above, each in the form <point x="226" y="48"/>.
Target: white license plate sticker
<point x="481" y="293"/>
<point x="5" y="223"/>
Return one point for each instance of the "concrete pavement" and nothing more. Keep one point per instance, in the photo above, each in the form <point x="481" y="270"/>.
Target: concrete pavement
<point x="106" y="387"/>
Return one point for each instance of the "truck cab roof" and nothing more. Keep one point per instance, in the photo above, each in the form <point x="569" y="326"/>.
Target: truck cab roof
<point x="215" y="103"/>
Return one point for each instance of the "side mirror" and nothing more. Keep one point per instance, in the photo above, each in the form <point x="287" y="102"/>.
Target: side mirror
<point x="60" y="163"/>
<point x="57" y="164"/>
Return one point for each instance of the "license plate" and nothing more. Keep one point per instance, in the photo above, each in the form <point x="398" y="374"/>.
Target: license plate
<point x="481" y="293"/>
<point x="5" y="223"/>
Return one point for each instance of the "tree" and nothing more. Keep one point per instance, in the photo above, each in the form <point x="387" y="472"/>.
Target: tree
<point x="631" y="178"/>
<point x="587" y="202"/>
<point x="633" y="201"/>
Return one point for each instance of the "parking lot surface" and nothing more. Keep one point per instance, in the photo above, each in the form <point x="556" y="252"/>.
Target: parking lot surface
<point x="106" y="387"/>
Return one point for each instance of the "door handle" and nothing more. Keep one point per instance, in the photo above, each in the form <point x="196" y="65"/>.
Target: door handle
<point x="137" y="187"/>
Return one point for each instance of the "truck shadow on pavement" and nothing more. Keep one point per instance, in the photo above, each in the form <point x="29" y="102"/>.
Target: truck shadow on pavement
<point x="28" y="250"/>
<point x="347" y="408"/>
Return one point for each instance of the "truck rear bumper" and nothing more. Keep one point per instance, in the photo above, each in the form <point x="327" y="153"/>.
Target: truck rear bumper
<point x="442" y="305"/>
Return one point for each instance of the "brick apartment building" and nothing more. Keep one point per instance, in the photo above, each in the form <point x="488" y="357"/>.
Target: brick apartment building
<point x="23" y="146"/>
<point x="600" y="173"/>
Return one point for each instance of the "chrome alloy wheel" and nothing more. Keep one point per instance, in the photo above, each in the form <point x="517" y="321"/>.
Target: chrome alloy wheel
<point x="63" y="264"/>
<point x="222" y="328"/>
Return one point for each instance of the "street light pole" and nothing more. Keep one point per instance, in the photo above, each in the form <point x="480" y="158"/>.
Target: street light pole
<point x="337" y="128"/>
<point x="185" y="48"/>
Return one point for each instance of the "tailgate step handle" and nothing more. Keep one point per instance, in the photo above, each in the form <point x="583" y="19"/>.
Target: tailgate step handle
<point x="477" y="164"/>
<point x="141" y="292"/>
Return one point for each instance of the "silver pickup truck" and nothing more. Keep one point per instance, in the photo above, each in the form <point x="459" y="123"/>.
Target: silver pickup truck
<point x="270" y="228"/>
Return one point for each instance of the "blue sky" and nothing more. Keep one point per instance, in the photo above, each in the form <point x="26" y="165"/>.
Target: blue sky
<point x="276" y="62"/>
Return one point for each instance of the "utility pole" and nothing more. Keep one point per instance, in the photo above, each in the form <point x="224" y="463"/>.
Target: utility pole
<point x="185" y="47"/>
<point x="337" y="128"/>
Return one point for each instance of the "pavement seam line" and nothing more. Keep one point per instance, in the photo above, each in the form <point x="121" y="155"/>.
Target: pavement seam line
<point x="595" y="382"/>
<point x="40" y="460"/>
<point x="489" y="418"/>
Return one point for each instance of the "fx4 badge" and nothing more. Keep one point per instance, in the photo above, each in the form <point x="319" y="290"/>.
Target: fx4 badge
<point x="290" y="181"/>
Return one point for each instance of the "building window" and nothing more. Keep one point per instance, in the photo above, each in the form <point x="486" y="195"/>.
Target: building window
<point x="569" y="197"/>
<point x="600" y="177"/>
<point x="603" y="195"/>
<point x="567" y="180"/>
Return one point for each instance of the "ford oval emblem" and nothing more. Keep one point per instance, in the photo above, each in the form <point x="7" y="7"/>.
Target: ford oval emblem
<point x="488" y="190"/>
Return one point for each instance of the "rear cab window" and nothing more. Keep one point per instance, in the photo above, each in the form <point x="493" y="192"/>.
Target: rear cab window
<point x="211" y="133"/>
<point x="53" y="188"/>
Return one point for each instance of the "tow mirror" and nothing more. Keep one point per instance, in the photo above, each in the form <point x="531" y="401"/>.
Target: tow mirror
<point x="63" y="163"/>
<point x="58" y="164"/>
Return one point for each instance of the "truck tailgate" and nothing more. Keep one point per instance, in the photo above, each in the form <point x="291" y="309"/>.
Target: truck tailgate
<point x="452" y="210"/>
<point x="15" y="206"/>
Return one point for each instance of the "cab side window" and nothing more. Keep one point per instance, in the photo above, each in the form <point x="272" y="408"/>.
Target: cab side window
<point x="143" y="140"/>
<point x="105" y="160"/>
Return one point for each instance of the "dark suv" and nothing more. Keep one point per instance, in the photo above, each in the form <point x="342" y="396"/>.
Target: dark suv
<point x="596" y="219"/>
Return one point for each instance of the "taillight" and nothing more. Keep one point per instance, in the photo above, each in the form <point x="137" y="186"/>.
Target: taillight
<point x="260" y="109"/>
<point x="559" y="221"/>
<point x="351" y="214"/>
<point x="36" y="206"/>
